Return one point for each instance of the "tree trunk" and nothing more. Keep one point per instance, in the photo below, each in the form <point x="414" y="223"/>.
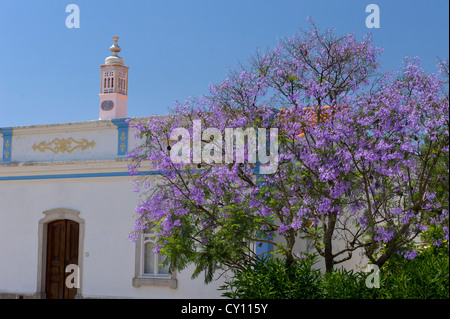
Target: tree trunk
<point x="327" y="238"/>
<point x="290" y="242"/>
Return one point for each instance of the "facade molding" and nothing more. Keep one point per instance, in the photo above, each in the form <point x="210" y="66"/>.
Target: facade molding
<point x="70" y="170"/>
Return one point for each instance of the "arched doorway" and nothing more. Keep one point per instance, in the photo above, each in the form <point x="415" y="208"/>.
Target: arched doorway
<point x="61" y="236"/>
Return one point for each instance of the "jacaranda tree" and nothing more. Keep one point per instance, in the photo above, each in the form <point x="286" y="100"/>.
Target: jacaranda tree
<point x="346" y="157"/>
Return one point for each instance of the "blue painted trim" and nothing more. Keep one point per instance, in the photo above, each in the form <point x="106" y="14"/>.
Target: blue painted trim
<point x="122" y="136"/>
<point x="86" y="175"/>
<point x="265" y="248"/>
<point x="7" y="143"/>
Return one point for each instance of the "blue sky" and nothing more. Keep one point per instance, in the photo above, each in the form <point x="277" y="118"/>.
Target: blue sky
<point x="175" y="48"/>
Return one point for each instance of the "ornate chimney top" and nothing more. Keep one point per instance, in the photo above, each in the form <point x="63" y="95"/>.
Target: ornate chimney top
<point x="114" y="59"/>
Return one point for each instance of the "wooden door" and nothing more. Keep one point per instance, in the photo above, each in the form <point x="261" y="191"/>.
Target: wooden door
<point x="62" y="250"/>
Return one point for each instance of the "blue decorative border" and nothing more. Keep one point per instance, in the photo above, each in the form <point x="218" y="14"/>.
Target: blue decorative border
<point x="122" y="136"/>
<point x="82" y="175"/>
<point x="7" y="143"/>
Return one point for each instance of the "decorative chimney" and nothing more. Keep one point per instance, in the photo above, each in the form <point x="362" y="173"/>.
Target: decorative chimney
<point x="114" y="85"/>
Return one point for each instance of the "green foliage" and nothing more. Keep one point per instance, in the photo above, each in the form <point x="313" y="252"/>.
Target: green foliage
<point x="344" y="284"/>
<point x="273" y="278"/>
<point x="425" y="277"/>
<point x="435" y="233"/>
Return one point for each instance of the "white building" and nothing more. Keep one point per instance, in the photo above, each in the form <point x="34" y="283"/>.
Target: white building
<point x="66" y="199"/>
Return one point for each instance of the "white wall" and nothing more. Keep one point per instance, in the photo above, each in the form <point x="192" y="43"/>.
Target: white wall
<point x="106" y="204"/>
<point x="107" y="207"/>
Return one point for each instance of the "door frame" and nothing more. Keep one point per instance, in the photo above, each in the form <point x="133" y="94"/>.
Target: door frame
<point x="52" y="215"/>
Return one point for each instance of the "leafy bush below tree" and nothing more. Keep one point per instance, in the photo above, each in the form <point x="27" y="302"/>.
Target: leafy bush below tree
<point x="424" y="277"/>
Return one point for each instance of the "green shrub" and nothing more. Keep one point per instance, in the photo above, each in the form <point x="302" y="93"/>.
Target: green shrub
<point x="344" y="284"/>
<point x="425" y="277"/>
<point x="273" y="278"/>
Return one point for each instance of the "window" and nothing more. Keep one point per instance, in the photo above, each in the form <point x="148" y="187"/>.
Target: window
<point x="151" y="262"/>
<point x="148" y="269"/>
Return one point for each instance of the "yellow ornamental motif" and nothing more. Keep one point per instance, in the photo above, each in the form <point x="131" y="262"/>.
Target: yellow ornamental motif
<point x="63" y="145"/>
<point x="122" y="147"/>
<point x="123" y="139"/>
<point x="6" y="149"/>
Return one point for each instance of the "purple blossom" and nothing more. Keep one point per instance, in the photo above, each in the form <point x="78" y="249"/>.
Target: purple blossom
<point x="437" y="242"/>
<point x="282" y="228"/>
<point x="297" y="223"/>
<point x="411" y="254"/>
<point x="384" y="234"/>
